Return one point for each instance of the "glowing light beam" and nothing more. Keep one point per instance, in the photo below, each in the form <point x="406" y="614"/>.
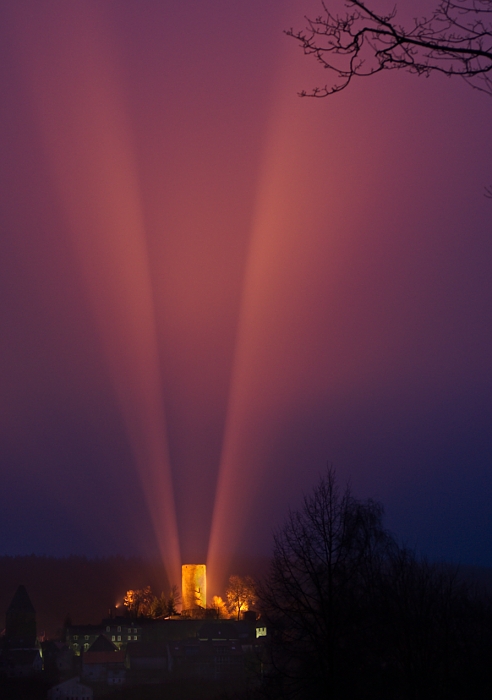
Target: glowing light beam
<point x="266" y="366"/>
<point x="75" y="83"/>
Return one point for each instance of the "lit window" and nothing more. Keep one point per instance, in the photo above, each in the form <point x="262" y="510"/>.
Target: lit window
<point x="86" y="637"/>
<point x="75" y="636"/>
<point x="113" y="638"/>
<point x="129" y="637"/>
<point x="75" y="646"/>
<point x="129" y="631"/>
<point x="86" y="646"/>
<point x="119" y="637"/>
<point x="134" y="637"/>
<point x="119" y="629"/>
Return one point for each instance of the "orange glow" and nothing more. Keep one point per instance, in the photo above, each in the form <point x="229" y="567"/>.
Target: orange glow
<point x="240" y="594"/>
<point x="219" y="606"/>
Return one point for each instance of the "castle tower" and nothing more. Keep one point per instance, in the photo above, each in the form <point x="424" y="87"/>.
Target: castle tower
<point x="20" y="621"/>
<point x="194" y="586"/>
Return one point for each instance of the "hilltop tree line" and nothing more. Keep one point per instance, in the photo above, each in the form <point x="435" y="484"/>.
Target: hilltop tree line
<point x="240" y="596"/>
<point x="142" y="603"/>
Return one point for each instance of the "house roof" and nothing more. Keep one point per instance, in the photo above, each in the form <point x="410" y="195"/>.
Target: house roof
<point x="102" y="643"/>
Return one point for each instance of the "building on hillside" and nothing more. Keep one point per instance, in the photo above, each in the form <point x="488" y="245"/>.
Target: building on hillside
<point x="79" y="638"/>
<point x="72" y="689"/>
<point x="121" y="630"/>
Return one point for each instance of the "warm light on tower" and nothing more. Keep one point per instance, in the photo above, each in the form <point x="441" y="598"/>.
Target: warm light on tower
<point x="194" y="586"/>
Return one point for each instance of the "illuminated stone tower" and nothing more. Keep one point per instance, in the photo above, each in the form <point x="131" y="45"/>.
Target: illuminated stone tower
<point x="194" y="586"/>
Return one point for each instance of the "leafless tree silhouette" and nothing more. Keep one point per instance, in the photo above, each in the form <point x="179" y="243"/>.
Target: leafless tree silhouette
<point x="352" y="614"/>
<point x="454" y="39"/>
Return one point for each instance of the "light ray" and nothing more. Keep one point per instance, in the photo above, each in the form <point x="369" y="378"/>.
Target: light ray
<point x="75" y="84"/>
<point x="264" y="375"/>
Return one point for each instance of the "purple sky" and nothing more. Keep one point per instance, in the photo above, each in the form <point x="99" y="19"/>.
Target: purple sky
<point x="213" y="287"/>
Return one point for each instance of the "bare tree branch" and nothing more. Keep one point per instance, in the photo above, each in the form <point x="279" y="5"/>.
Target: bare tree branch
<point x="455" y="39"/>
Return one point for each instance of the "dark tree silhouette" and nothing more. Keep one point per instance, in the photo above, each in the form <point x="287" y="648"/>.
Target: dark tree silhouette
<point x="454" y="39"/>
<point x="351" y="614"/>
<point x="324" y="570"/>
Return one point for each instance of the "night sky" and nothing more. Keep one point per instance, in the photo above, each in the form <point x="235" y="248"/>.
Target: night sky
<point x="211" y="288"/>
